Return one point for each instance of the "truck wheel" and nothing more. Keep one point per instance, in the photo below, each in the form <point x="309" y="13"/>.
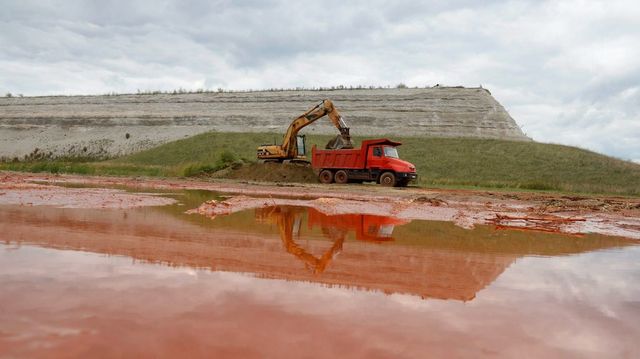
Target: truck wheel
<point x="341" y="177"/>
<point x="388" y="179"/>
<point x="325" y="177"/>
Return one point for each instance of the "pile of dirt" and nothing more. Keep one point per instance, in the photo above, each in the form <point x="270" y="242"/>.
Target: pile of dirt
<point x="270" y="172"/>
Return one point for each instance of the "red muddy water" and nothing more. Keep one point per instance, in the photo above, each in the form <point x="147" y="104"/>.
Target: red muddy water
<point x="289" y="282"/>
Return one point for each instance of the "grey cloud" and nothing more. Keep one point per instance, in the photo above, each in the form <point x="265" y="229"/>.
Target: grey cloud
<point x="566" y="70"/>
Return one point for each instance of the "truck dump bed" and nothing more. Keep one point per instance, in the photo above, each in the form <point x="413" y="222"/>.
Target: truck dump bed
<point x="345" y="159"/>
<point x="351" y="159"/>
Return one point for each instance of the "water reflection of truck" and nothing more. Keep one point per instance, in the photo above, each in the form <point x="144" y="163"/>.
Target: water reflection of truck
<point x="367" y="227"/>
<point x="375" y="161"/>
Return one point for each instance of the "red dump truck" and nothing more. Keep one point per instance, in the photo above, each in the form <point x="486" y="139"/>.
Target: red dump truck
<point x="375" y="160"/>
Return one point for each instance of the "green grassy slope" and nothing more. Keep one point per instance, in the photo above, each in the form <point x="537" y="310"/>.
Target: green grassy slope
<point x="520" y="165"/>
<point x="440" y="161"/>
<point x="205" y="148"/>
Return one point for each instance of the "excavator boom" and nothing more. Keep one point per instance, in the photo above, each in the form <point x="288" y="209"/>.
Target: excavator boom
<point x="289" y="148"/>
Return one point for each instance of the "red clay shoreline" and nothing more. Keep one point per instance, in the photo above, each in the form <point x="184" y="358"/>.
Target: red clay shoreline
<point x="528" y="211"/>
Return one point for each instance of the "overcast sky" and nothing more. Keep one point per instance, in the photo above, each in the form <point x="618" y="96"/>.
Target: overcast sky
<point x="567" y="71"/>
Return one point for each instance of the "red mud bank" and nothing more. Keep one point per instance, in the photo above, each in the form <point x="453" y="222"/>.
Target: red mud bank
<point x="15" y="191"/>
<point x="554" y="213"/>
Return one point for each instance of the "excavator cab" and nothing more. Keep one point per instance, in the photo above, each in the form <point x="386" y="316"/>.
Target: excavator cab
<point x="301" y="141"/>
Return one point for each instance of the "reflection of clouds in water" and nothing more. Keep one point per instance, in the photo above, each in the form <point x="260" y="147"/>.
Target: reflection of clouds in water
<point x="576" y="305"/>
<point x="579" y="302"/>
<point x="122" y="272"/>
<point x="605" y="276"/>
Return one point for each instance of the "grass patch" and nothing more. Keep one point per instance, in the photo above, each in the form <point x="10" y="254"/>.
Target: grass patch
<point x="450" y="162"/>
<point x="212" y="148"/>
<point x="87" y="168"/>
<point x="519" y="165"/>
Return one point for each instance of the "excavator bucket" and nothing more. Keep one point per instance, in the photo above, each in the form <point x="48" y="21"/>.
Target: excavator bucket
<point x="339" y="142"/>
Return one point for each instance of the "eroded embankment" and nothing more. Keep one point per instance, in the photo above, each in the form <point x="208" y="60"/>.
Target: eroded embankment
<point x="526" y="211"/>
<point x="106" y="126"/>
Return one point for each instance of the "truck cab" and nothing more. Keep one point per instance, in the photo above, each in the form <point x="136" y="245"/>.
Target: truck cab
<point x="384" y="158"/>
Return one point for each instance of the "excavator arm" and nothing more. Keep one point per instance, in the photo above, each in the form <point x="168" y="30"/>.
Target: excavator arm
<point x="288" y="220"/>
<point x="324" y="108"/>
<point x="289" y="147"/>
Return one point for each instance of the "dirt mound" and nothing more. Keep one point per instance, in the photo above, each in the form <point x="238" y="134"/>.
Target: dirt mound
<point x="270" y="172"/>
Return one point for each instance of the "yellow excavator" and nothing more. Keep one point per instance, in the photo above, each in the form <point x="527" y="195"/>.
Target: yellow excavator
<point x="293" y="145"/>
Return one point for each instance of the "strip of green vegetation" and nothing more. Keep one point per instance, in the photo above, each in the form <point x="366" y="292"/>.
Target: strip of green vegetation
<point x="522" y="165"/>
<point x="87" y="168"/>
<point x="169" y="160"/>
<point x="439" y="161"/>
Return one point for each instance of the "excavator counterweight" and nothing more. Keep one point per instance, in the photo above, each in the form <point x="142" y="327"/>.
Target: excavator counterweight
<point x="292" y="142"/>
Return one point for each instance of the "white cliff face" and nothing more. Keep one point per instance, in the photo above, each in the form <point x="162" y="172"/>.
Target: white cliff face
<point x="98" y="125"/>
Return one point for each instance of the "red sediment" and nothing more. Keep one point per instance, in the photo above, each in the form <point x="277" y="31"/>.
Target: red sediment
<point x="15" y="191"/>
<point x="465" y="208"/>
<point x="551" y="219"/>
<point x="548" y="223"/>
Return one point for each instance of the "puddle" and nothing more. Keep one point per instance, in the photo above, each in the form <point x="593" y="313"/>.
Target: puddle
<point x="291" y="281"/>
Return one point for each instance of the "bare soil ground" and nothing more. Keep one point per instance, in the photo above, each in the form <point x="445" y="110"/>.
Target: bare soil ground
<point x="16" y="190"/>
<point x="617" y="216"/>
<point x="269" y="172"/>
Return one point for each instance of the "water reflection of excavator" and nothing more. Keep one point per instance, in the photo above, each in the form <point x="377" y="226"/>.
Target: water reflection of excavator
<point x="367" y="228"/>
<point x="293" y="145"/>
<point x="288" y="220"/>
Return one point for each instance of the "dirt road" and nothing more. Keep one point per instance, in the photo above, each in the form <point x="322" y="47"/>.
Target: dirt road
<point x="616" y="216"/>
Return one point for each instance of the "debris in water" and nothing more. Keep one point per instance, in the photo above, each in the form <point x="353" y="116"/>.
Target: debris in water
<point x="547" y="223"/>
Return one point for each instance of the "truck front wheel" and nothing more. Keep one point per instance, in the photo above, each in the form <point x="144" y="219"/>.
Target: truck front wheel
<point x="341" y="177"/>
<point x="325" y="177"/>
<point x="388" y="179"/>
